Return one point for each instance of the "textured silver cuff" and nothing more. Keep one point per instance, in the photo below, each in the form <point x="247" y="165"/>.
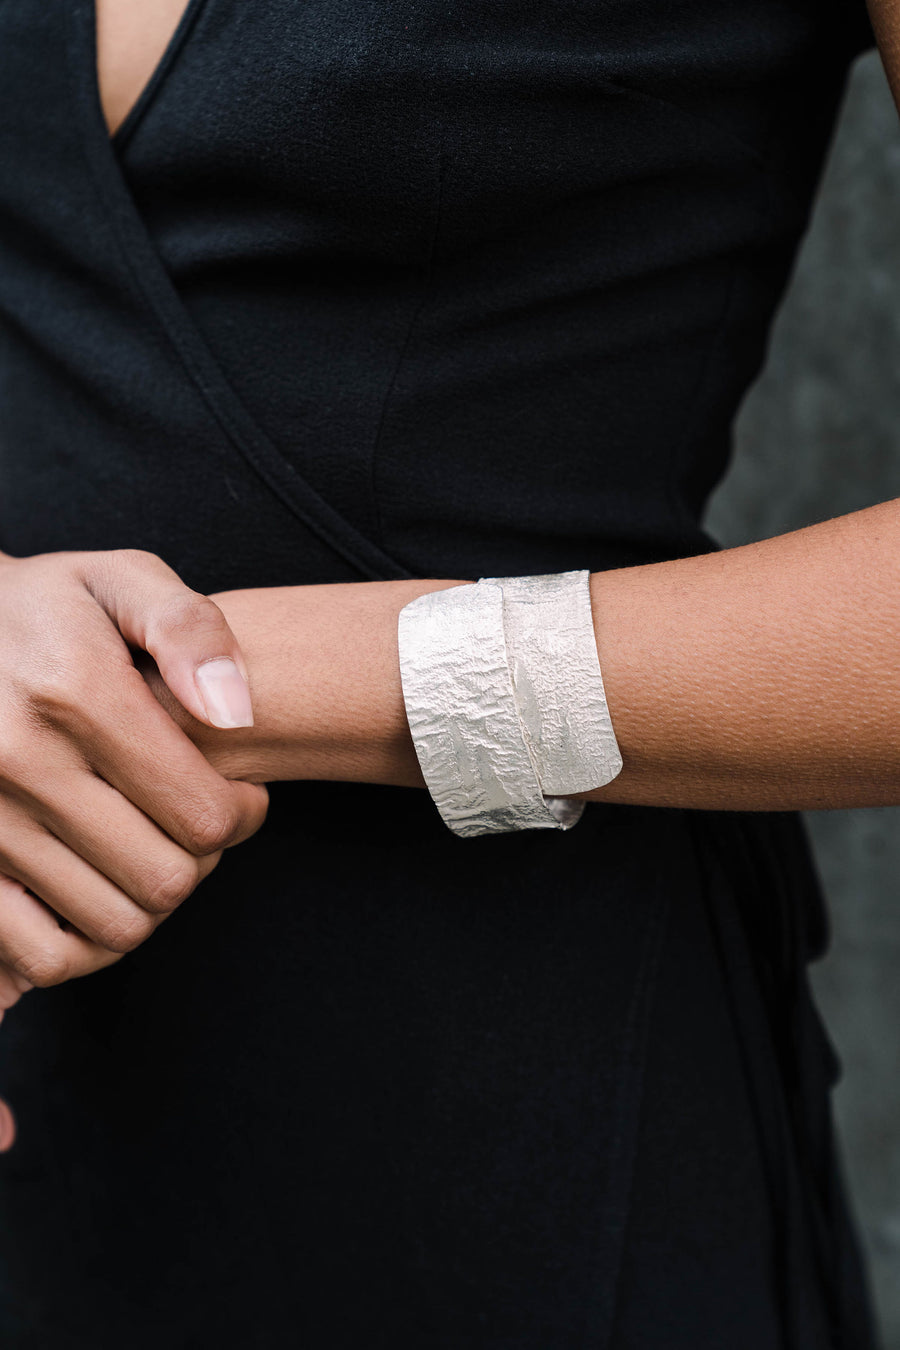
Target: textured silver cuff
<point x="463" y="718"/>
<point x="555" y="669"/>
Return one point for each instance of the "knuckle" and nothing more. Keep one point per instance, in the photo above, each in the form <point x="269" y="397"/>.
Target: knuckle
<point x="42" y="968"/>
<point x="170" y="886"/>
<point x="187" y="612"/>
<point x="57" y="689"/>
<point x="251" y="822"/>
<point x="208" y="863"/>
<point x="125" y="932"/>
<point x="213" y="828"/>
<point x="17" y="756"/>
<point x="140" y="558"/>
<point x="261" y="808"/>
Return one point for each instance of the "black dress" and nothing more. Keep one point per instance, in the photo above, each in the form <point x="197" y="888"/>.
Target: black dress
<point x="369" y="290"/>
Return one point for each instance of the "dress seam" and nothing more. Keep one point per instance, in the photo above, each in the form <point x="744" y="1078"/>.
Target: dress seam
<point x="418" y="310"/>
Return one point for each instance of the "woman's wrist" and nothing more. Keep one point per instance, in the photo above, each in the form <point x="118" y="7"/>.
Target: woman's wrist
<point x="325" y="683"/>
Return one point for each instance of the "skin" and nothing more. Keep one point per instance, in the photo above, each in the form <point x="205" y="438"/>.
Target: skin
<point x="131" y="38"/>
<point x="758" y="678"/>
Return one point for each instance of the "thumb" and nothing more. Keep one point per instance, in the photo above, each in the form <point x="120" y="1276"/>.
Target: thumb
<point x="186" y="634"/>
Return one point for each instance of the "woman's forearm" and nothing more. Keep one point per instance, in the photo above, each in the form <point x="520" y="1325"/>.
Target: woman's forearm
<point x="762" y="677"/>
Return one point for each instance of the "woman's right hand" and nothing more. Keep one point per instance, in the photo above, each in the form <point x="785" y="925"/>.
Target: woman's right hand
<point x="109" y="815"/>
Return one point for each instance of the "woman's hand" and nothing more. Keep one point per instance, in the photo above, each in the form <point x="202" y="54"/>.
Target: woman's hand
<point x="109" y="815"/>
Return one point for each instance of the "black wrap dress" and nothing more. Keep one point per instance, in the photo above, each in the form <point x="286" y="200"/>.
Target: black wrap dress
<point x="369" y="289"/>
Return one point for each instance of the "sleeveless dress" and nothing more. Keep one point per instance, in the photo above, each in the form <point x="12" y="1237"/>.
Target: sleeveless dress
<point x="447" y="290"/>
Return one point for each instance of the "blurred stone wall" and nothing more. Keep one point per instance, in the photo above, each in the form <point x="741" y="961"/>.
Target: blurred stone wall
<point x="818" y="435"/>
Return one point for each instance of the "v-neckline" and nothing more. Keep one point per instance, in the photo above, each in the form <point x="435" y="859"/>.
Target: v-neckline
<point x="151" y="280"/>
<point x="148" y="91"/>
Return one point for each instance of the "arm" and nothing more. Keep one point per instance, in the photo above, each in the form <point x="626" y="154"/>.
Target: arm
<point x="885" y="16"/>
<point x="763" y="677"/>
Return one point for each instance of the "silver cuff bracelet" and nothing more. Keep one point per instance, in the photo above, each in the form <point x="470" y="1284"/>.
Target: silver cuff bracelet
<point x="555" y="669"/>
<point x="505" y="701"/>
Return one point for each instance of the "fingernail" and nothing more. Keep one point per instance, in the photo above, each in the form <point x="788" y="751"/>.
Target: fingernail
<point x="224" y="693"/>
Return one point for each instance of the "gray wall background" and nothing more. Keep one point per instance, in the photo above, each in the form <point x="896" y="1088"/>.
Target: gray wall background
<point x="818" y="435"/>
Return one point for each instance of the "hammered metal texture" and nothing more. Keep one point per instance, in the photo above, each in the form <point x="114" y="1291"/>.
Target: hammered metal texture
<point x="555" y="669"/>
<point x="463" y="718"/>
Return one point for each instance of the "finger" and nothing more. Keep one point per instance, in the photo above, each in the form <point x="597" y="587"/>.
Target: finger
<point x="186" y="633"/>
<point x="77" y="891"/>
<point x="138" y="749"/>
<point x="12" y="987"/>
<point x="107" y="831"/>
<point x="33" y="945"/>
<point x="7" y="1127"/>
